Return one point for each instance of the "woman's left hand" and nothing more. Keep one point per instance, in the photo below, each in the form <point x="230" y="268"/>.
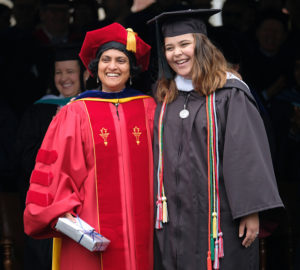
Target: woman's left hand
<point x="249" y="225"/>
<point x="70" y="217"/>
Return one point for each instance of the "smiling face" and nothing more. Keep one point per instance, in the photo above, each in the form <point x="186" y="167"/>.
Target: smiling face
<point x="180" y="51"/>
<point x="113" y="70"/>
<point x="67" y="77"/>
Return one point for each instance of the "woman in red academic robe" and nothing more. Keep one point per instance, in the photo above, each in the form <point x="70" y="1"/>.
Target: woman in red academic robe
<point x="96" y="161"/>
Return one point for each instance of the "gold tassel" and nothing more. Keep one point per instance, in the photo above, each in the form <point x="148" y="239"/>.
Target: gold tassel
<point x="131" y="40"/>
<point x="214" y="214"/>
<point x="165" y="209"/>
<point x="56" y="253"/>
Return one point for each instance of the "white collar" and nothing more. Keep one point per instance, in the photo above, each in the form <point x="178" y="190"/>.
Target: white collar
<point x="184" y="84"/>
<point x="187" y="85"/>
<point x="230" y="75"/>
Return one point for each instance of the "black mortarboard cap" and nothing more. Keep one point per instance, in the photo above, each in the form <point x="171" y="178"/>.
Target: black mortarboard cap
<point x="65" y="52"/>
<point x="175" y="23"/>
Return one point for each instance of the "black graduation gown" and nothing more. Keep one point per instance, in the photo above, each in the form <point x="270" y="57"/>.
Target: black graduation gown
<point x="247" y="181"/>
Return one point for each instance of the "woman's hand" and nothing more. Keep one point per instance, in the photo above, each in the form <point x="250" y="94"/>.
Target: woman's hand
<point x="70" y="217"/>
<point x="249" y="225"/>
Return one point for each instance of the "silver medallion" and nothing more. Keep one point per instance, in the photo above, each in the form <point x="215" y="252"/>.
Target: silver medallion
<point x="184" y="113"/>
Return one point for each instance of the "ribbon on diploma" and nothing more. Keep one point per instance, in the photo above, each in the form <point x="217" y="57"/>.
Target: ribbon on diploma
<point x="92" y="233"/>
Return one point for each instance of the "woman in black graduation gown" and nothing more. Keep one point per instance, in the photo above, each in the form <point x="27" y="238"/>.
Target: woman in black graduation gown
<point x="212" y="160"/>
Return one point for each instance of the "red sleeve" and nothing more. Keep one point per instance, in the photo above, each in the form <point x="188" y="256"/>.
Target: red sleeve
<point x="60" y="169"/>
<point x="150" y="106"/>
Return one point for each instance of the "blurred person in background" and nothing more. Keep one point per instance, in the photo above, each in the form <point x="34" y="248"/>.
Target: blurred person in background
<point x="17" y="49"/>
<point x="84" y="18"/>
<point x="67" y="82"/>
<point x="25" y="13"/>
<point x="117" y="10"/>
<point x="267" y="64"/>
<point x="54" y="27"/>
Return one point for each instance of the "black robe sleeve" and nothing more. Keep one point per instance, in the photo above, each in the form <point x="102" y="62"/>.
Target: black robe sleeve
<point x="247" y="165"/>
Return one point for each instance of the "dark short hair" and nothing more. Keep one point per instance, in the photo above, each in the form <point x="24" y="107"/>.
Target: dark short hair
<point x="134" y="69"/>
<point x="270" y="13"/>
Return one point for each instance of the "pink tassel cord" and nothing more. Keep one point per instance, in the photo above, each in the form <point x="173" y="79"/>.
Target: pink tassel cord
<point x="161" y="203"/>
<point x="221" y="247"/>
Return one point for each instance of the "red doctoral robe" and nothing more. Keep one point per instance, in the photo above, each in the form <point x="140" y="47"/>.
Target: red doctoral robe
<point x="96" y="162"/>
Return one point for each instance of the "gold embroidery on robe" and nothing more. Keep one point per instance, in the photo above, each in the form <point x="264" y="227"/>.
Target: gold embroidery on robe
<point x="136" y="132"/>
<point x="104" y="134"/>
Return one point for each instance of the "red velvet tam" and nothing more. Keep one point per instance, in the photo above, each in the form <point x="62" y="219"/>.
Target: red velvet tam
<point x="114" y="32"/>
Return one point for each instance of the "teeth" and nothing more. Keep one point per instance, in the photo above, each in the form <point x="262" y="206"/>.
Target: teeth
<point x="112" y="74"/>
<point x="67" y="85"/>
<point x="181" y="61"/>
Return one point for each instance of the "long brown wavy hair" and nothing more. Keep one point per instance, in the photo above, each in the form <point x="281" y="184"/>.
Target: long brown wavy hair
<point x="208" y="71"/>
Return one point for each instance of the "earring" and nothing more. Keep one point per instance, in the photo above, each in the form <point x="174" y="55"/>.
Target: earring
<point x="97" y="80"/>
<point x="130" y="81"/>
